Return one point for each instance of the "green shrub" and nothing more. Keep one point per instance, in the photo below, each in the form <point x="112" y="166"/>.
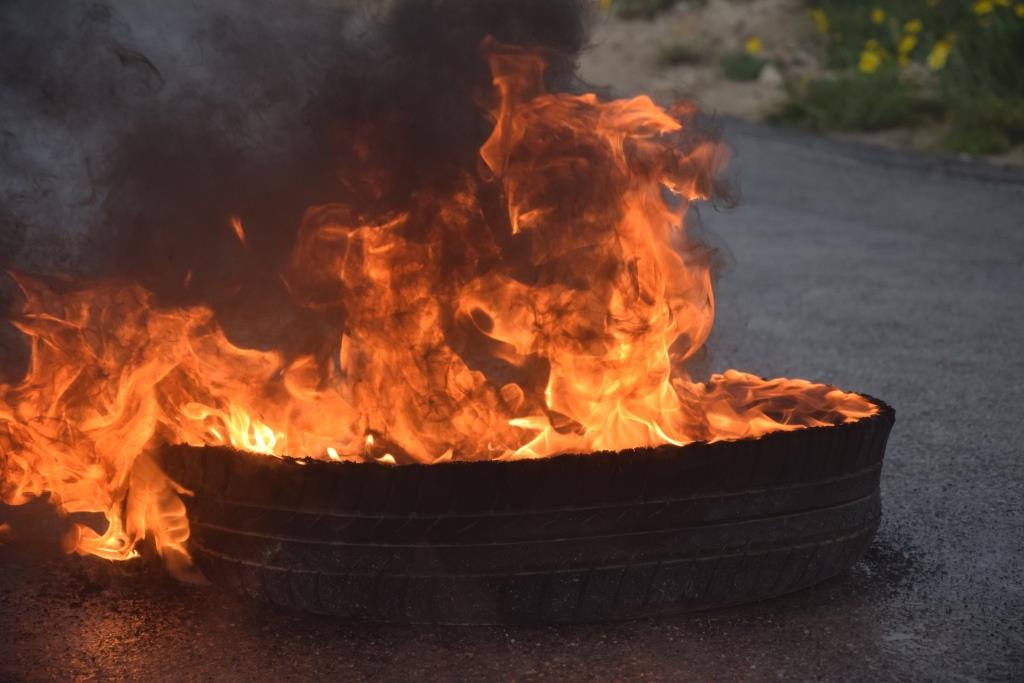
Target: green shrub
<point x="976" y="140"/>
<point x="741" y="66"/>
<point x="985" y="124"/>
<point x="853" y="102"/>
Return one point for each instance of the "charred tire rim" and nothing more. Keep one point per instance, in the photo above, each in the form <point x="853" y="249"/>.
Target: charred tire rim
<point x="573" y="538"/>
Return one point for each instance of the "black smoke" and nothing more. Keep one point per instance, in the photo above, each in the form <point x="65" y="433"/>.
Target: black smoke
<point x="132" y="131"/>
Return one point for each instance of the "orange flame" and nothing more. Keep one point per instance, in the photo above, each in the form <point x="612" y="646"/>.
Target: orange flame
<point x="566" y="329"/>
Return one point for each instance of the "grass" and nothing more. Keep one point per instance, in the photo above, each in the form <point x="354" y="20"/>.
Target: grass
<point x="986" y="125"/>
<point x="855" y="102"/>
<point x="964" y="54"/>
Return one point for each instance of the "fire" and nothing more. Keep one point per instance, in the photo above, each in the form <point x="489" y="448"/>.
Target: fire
<point x="564" y="326"/>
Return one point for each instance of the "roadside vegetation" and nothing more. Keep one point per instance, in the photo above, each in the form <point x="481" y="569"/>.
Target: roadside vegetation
<point x="904" y="62"/>
<point x="745" y="64"/>
<point x="953" y="68"/>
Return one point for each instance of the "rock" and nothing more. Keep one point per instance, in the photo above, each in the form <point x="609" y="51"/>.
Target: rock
<point x="770" y="75"/>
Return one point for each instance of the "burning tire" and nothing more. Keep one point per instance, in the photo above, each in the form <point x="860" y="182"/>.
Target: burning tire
<point x="572" y="538"/>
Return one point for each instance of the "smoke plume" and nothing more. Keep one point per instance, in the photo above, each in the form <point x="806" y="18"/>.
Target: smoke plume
<point x="133" y="132"/>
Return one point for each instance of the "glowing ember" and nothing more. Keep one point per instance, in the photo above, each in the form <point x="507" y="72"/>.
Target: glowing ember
<point x="236" y="226"/>
<point x="565" y="327"/>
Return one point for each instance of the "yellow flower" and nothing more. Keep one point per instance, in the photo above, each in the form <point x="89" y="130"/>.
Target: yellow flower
<point x="869" y="61"/>
<point x="821" y="19"/>
<point x="907" y="44"/>
<point x="878" y="15"/>
<point x="1018" y="9"/>
<point x="938" y="56"/>
<point x="981" y="7"/>
<point x="1002" y="3"/>
<point x="753" y="46"/>
<point x="913" y="26"/>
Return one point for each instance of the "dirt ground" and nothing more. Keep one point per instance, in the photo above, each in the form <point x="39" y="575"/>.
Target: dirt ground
<point x="624" y="53"/>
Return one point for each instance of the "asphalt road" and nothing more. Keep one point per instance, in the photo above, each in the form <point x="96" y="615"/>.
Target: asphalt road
<point x="896" y="275"/>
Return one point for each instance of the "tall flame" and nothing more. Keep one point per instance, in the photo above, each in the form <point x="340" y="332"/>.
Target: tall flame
<point x="564" y="327"/>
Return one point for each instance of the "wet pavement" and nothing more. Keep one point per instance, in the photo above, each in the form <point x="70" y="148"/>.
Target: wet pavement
<point x="897" y="275"/>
